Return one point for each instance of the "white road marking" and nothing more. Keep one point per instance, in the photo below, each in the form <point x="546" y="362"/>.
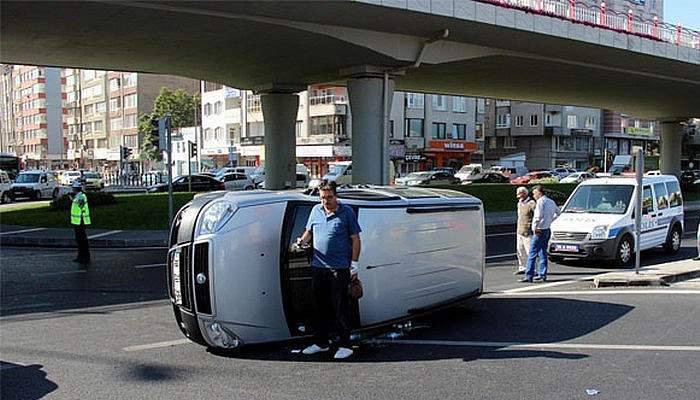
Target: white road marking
<point x="157" y="345"/>
<point x="501" y="234"/>
<point x="22" y="307"/>
<point x="59" y="273"/>
<point x="596" y="292"/>
<point x="23" y="231"/>
<point x="104" y="234"/>
<point x="556" y="345"/>
<point x="149" y="266"/>
<point x="502" y="255"/>
<point x="537" y="286"/>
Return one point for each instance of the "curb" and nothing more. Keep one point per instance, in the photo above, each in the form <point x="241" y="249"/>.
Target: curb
<point x="641" y="280"/>
<point x="20" y="241"/>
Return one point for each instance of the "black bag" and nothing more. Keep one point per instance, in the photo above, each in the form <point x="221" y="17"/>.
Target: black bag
<point x="355" y="290"/>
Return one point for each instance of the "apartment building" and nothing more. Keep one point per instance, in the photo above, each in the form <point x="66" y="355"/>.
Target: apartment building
<point x="32" y="116"/>
<point x="425" y="131"/>
<point x="549" y="135"/>
<point x="103" y="109"/>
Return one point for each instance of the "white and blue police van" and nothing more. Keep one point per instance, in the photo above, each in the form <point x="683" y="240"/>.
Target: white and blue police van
<point x="598" y="219"/>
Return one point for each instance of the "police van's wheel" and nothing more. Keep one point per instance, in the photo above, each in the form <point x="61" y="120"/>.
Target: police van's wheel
<point x="54" y="195"/>
<point x="625" y="251"/>
<point x="37" y="195"/>
<point x="673" y="241"/>
<point x="6" y="198"/>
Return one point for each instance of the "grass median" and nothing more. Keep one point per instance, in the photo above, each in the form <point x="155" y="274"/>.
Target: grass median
<point x="131" y="212"/>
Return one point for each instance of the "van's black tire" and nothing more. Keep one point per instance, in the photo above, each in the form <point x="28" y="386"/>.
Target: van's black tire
<point x="37" y="195"/>
<point x="6" y="198"/>
<point x="54" y="195"/>
<point x="674" y="239"/>
<point x="249" y="188"/>
<point x="624" y="253"/>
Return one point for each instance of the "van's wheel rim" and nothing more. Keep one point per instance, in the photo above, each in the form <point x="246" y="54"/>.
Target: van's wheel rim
<point x="676" y="240"/>
<point x="625" y="251"/>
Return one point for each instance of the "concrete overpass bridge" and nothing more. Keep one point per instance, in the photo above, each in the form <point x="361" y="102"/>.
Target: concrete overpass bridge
<point x="551" y="51"/>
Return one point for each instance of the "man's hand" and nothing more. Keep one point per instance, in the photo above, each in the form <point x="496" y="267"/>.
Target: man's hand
<point x="354" y="268"/>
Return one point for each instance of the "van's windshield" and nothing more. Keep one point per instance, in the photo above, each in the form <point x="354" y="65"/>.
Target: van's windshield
<point x="336" y="170"/>
<point x="600" y="199"/>
<point x="27" y="178"/>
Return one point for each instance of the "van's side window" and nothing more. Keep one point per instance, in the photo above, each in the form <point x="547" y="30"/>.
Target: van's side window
<point x="661" y="197"/>
<point x="675" y="199"/>
<point x="301" y="216"/>
<point x="647" y="200"/>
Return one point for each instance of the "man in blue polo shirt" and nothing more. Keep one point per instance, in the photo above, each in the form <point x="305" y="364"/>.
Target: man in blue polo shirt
<point x="336" y="237"/>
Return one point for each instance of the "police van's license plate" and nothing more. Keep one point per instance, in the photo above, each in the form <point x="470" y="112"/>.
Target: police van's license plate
<point x="177" y="286"/>
<point x="572" y="248"/>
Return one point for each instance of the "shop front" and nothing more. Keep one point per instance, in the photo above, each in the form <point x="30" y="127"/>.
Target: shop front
<point x="317" y="157"/>
<point x="251" y="152"/>
<point x="449" y="153"/>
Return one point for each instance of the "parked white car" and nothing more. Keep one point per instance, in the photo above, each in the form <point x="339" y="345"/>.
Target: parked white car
<point x="237" y="181"/>
<point x="5" y="185"/>
<point x="35" y="185"/>
<point x="66" y="178"/>
<point x="598" y="222"/>
<point x="577" y="177"/>
<point x="468" y="170"/>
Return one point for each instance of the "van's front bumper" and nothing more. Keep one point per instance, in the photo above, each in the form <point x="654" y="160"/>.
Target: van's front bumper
<point x="589" y="249"/>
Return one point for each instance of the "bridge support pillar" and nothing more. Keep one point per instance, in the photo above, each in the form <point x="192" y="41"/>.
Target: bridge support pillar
<point x="671" y="140"/>
<point x="370" y="105"/>
<point x="280" y="115"/>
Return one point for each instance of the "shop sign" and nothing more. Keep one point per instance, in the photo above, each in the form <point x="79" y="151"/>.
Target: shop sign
<point x="342" y="151"/>
<point x="397" y="150"/>
<point x="252" y="141"/>
<point x="631" y="130"/>
<point x="412" y="157"/>
<point x="452" y="145"/>
<point x="231" y="92"/>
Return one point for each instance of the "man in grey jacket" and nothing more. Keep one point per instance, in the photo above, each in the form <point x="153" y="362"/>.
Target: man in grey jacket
<point x="526" y="210"/>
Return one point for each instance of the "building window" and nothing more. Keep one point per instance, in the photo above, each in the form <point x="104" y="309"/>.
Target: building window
<point x="209" y="86"/>
<point x="459" y="131"/>
<point x="130" y="101"/>
<point x="548" y="119"/>
<point x="493" y="142"/>
<point x="130" y="120"/>
<point x="115" y="123"/>
<point x="534" y="120"/>
<point x="439" y="130"/>
<point x="519" y="120"/>
<point x="439" y="102"/>
<point x="218" y="106"/>
<point x="97" y="126"/>
<point x="459" y="104"/>
<point x="502" y="121"/>
<point x="207" y="134"/>
<point x="114" y="84"/>
<point x="254" y="103"/>
<point x="88" y="109"/>
<point x="508" y="142"/>
<point x="414" y="127"/>
<point x="571" y="122"/>
<point x="391" y="128"/>
<point x="327" y="125"/>
<point x="297" y="128"/>
<point x="115" y="103"/>
<point x="415" y="100"/>
<point x="100" y="107"/>
<point x="88" y="74"/>
<point x="582" y="143"/>
<point x="207" y="109"/>
<point x="590" y="122"/>
<point x="217" y="133"/>
<point x="130" y="79"/>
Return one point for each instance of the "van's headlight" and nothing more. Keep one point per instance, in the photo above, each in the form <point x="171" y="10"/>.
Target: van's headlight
<point x="215" y="216"/>
<point x="599" y="232"/>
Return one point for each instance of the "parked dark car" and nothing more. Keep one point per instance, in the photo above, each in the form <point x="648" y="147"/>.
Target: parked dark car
<point x="688" y="178"/>
<point x="487" y="177"/>
<point x="200" y="183"/>
<point x="427" y="178"/>
<point x="449" y="170"/>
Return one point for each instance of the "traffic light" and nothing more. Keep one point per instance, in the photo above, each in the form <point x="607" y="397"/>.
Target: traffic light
<point x="193" y="149"/>
<point x="126" y="152"/>
<point x="155" y="133"/>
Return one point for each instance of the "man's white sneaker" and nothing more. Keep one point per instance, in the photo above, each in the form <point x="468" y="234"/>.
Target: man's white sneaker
<point x="343" y="352"/>
<point x="313" y="349"/>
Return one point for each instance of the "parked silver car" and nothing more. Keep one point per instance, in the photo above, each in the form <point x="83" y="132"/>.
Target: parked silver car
<point x="237" y="181"/>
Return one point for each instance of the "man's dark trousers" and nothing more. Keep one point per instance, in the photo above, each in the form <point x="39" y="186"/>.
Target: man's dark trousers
<point x="82" y="241"/>
<point x="332" y="304"/>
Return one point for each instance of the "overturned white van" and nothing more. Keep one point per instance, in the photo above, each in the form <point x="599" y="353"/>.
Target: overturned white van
<point x="234" y="277"/>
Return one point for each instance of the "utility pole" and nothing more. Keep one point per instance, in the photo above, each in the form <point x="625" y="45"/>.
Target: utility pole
<point x="189" y="166"/>
<point x="80" y="117"/>
<point x="638" y="210"/>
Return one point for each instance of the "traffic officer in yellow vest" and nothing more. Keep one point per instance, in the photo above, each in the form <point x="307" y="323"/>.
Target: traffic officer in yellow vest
<point x="80" y="218"/>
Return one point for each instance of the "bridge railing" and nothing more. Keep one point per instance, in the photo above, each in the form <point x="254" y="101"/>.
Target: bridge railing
<point x="598" y="15"/>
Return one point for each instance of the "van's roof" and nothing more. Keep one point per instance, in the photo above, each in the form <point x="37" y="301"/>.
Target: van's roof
<point x="358" y="195"/>
<point x="629" y="180"/>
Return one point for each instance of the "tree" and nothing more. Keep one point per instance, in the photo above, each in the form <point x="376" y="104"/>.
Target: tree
<point x="181" y="106"/>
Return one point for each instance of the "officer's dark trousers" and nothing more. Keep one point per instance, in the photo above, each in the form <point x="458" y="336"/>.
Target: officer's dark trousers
<point x="332" y="304"/>
<point x="82" y="241"/>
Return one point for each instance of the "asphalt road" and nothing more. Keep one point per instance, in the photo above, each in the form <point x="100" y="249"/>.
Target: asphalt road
<point x="107" y="332"/>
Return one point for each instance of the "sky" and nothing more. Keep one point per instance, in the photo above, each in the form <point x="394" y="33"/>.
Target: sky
<point x="687" y="12"/>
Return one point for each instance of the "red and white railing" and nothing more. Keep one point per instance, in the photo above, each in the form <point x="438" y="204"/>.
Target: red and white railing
<point x="599" y="16"/>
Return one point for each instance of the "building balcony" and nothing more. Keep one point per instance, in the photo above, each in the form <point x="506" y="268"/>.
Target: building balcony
<point x="553" y="130"/>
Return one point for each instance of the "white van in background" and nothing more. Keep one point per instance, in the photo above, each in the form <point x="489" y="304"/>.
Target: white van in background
<point x="468" y="170"/>
<point x="597" y="221"/>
